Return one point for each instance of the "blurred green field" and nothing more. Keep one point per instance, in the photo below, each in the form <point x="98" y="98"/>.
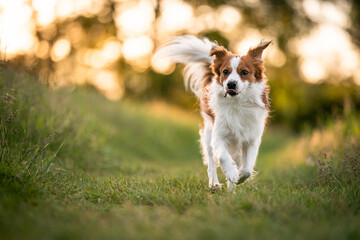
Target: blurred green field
<point x="74" y="165"/>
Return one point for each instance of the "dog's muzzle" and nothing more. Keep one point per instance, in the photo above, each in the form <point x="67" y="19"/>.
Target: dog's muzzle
<point x="231" y="89"/>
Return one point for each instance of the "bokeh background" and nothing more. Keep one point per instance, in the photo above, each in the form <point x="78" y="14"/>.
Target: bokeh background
<point x="313" y="65"/>
<point x="98" y="143"/>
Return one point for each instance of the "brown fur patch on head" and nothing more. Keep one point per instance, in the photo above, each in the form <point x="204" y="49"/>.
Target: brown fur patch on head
<point x="222" y="56"/>
<point x="255" y="68"/>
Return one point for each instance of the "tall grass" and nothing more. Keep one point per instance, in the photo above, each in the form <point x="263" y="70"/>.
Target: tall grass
<point x="335" y="150"/>
<point x="28" y="145"/>
<point x="45" y="134"/>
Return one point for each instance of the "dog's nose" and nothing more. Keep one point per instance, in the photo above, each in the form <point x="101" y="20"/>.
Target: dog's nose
<point x="231" y="85"/>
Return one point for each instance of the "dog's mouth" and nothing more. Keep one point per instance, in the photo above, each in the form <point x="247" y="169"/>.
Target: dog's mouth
<point x="231" y="92"/>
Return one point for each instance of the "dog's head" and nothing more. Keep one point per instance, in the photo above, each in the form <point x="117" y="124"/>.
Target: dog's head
<point x="234" y="72"/>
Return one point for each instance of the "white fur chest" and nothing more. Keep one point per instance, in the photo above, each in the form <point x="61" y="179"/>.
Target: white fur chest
<point x="241" y="118"/>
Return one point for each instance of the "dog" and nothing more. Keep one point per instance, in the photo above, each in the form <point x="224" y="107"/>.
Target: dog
<point x="234" y="103"/>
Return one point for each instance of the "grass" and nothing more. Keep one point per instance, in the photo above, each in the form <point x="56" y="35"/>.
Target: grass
<point x="76" y="166"/>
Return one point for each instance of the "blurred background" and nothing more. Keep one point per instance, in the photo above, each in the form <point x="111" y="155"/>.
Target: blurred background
<point x="313" y="66"/>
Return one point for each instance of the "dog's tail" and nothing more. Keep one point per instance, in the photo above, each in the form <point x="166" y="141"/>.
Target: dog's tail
<point x="194" y="53"/>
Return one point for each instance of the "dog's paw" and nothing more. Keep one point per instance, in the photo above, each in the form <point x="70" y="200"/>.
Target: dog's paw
<point x="243" y="176"/>
<point x="232" y="174"/>
<point x="215" y="187"/>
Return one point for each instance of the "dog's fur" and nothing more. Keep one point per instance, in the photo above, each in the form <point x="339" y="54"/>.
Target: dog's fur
<point x="233" y="94"/>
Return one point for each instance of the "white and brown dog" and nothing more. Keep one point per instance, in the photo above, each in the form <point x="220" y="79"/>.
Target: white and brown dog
<point x="234" y="99"/>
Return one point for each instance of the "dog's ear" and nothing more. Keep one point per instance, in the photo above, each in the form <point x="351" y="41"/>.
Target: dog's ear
<point x="256" y="52"/>
<point x="219" y="52"/>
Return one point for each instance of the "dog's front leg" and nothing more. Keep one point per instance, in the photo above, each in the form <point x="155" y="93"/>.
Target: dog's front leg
<point x="250" y="152"/>
<point x="221" y="152"/>
<point x="205" y="135"/>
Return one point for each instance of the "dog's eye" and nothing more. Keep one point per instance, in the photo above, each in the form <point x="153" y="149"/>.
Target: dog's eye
<point x="244" y="72"/>
<point x="226" y="72"/>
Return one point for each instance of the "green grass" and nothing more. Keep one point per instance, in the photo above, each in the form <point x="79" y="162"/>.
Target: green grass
<point x="76" y="166"/>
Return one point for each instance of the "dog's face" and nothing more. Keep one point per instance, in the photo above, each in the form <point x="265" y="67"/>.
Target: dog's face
<point x="234" y="72"/>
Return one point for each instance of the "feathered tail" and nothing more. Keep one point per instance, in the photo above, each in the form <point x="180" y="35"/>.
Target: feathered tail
<point x="194" y="53"/>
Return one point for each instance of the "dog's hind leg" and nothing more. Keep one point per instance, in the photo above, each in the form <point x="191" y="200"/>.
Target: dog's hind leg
<point x="236" y="153"/>
<point x="205" y="135"/>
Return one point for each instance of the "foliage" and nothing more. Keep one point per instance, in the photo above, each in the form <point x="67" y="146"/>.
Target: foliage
<point x="26" y="155"/>
<point x="295" y="103"/>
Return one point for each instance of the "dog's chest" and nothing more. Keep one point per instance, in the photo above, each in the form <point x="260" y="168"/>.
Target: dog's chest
<point x="243" y="123"/>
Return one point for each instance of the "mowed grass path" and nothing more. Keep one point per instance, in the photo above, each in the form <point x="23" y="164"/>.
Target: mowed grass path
<point x="77" y="166"/>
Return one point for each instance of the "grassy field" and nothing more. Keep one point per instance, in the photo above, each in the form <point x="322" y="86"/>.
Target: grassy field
<point x="74" y="165"/>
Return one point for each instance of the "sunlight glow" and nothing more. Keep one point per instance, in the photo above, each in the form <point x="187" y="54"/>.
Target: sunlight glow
<point x="327" y="12"/>
<point x="137" y="47"/>
<point x="106" y="81"/>
<point x="101" y="58"/>
<point x="204" y="20"/>
<point x="252" y="3"/>
<point x="327" y="51"/>
<point x="330" y="50"/>
<point x="64" y="8"/>
<point x="75" y="33"/>
<point x="60" y="49"/>
<point x="137" y="51"/>
<point x="111" y="50"/>
<point x="247" y="42"/>
<point x="134" y="20"/>
<point x="163" y="66"/>
<point x="16" y="28"/>
<point x="312" y="70"/>
<point x="357" y="76"/>
<point x="45" y="11"/>
<point x="274" y="56"/>
<point x="227" y="18"/>
<point x="42" y="50"/>
<point x="176" y="15"/>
